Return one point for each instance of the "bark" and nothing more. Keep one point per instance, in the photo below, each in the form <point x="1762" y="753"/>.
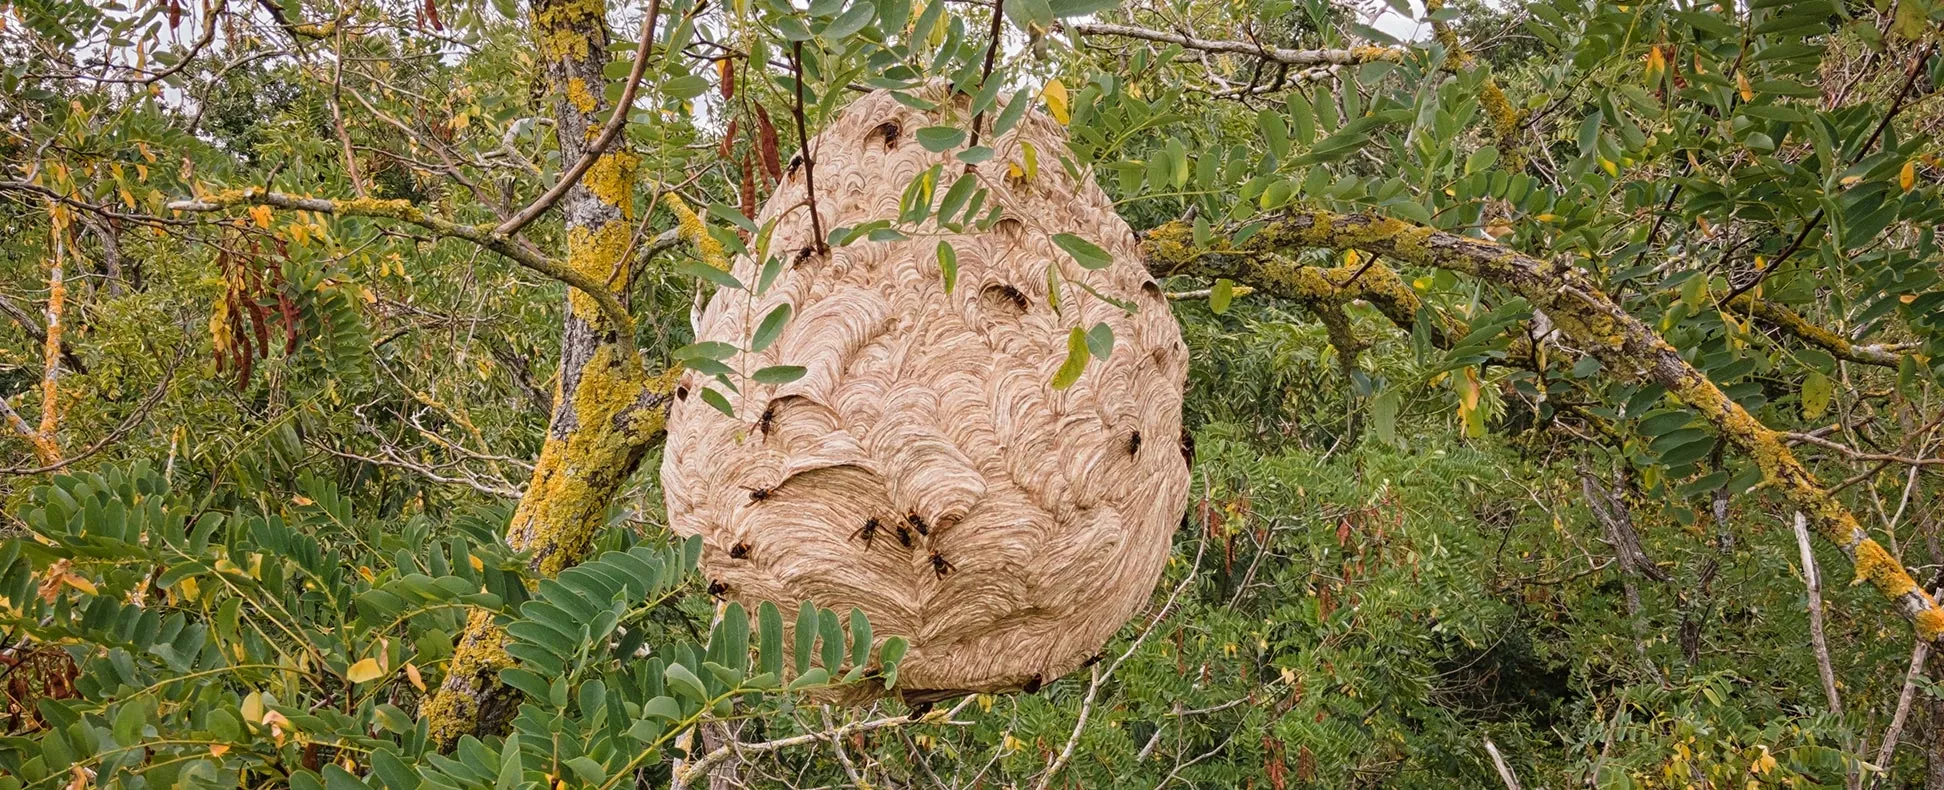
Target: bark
<point x="607" y="409"/>
<point x="1583" y="313"/>
<point x="1812" y="579"/>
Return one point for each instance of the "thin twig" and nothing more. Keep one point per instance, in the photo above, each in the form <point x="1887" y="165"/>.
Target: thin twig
<point x="1918" y="654"/>
<point x="985" y="74"/>
<point x="1911" y="73"/>
<point x="803" y="150"/>
<point x="1100" y="675"/>
<point x="701" y="767"/>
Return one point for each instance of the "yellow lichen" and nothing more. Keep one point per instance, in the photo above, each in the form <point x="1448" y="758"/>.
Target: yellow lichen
<point x="612" y="179"/>
<point x="578" y="96"/>
<point x="1930" y="623"/>
<point x="565" y="30"/>
<point x="598" y="254"/>
<point x="1877" y="567"/>
<point x="1370" y="53"/>
<point x="575" y="477"/>
<point x="690" y="226"/>
<point x="471" y="677"/>
<point x="1172" y="243"/>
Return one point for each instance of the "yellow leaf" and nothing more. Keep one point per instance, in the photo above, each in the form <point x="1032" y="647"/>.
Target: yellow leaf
<point x="218" y="749"/>
<point x="412" y="674"/>
<point x="80" y="584"/>
<point x="1055" y="94"/>
<point x="364" y="671"/>
<point x="261" y="214"/>
<point x="1907" y="178"/>
<point x="1741" y="83"/>
<point x="1656" y="63"/>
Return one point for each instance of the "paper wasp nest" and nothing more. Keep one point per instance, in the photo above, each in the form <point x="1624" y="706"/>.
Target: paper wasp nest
<point x="1037" y="520"/>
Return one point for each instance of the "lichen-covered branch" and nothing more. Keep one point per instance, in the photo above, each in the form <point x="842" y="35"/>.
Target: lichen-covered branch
<point x="1793" y="323"/>
<point x="1317" y="288"/>
<point x="403" y="211"/>
<point x="1594" y="322"/>
<point x="1289" y="57"/>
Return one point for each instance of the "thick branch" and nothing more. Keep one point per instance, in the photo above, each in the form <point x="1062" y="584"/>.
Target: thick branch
<point x="1289" y="57"/>
<point x="404" y="211"/>
<point x="1594" y="322"/>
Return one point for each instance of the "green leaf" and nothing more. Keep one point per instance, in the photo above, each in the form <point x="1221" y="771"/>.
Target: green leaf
<point x="703" y="271"/>
<point x="1015" y="109"/>
<point x="1086" y="253"/>
<point x="1071" y="8"/>
<point x="1076" y="360"/>
<point x="662" y="707"/>
<point x="716" y="399"/>
<point x="1100" y="340"/>
<point x="1383" y="415"/>
<point x="770" y="328"/>
<point x="948" y="263"/>
<point x="1817" y="391"/>
<point x="860" y="634"/>
<point x="893" y="651"/>
<point x="710" y="349"/>
<point x="815" y="676"/>
<point x="806" y="636"/>
<point x="962" y="189"/>
<point x="684" y="682"/>
<point x="769" y="639"/>
<point x="732" y="215"/>
<point x="938" y="139"/>
<point x="1221" y="295"/>
<point x="587" y="769"/>
<point x="685" y="87"/>
<point x="1274" y="132"/>
<point x="852" y="20"/>
<point x="779" y="374"/>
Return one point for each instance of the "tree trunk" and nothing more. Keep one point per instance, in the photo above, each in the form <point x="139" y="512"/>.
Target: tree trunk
<point x="606" y="408"/>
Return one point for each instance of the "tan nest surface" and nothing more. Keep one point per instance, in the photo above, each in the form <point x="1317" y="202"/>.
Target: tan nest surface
<point x="1037" y="520"/>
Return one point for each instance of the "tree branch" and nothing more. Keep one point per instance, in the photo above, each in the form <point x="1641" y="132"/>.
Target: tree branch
<point x="1289" y="57"/>
<point x="1582" y="312"/>
<point x="404" y="211"/>
<point x="1793" y="323"/>
<point x="701" y="767"/>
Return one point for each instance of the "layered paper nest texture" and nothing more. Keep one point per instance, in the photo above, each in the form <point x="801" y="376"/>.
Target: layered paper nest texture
<point x="1038" y="519"/>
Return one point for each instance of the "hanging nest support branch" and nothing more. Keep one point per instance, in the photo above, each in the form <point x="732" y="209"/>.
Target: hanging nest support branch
<point x="924" y="468"/>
